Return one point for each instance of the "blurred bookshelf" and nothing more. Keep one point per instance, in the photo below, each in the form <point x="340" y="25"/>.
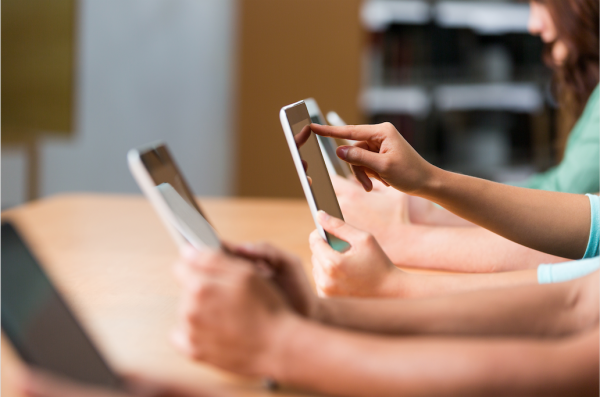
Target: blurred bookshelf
<point x="463" y="81"/>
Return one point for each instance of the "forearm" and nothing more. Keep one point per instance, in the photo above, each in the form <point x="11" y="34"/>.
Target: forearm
<point x="336" y="362"/>
<point x="424" y="212"/>
<point x="556" y="223"/>
<point x="410" y="285"/>
<point x="537" y="310"/>
<point x="463" y="249"/>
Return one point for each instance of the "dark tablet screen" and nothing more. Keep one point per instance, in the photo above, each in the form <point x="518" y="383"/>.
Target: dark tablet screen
<point x="162" y="169"/>
<point x="38" y="322"/>
<point x="312" y="158"/>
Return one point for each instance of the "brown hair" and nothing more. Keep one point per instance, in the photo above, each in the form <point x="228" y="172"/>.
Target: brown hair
<point x="577" y="26"/>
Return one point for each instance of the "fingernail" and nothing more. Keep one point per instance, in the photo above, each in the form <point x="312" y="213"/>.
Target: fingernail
<point x="342" y="152"/>
<point x="324" y="216"/>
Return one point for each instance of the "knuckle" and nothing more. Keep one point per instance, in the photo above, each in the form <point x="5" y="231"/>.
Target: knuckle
<point x="355" y="154"/>
<point x="369" y="239"/>
<point x="331" y="267"/>
<point x="245" y="275"/>
<point x="190" y="317"/>
<point x="201" y="291"/>
<point x="325" y="288"/>
<point x="365" y="238"/>
<point x="197" y="353"/>
<point x="386" y="165"/>
<point x="328" y="288"/>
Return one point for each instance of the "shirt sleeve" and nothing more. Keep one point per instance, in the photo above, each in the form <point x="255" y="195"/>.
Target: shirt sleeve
<point x="593" y="247"/>
<point x="566" y="271"/>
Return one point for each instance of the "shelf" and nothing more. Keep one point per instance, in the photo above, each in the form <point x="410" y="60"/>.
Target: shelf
<point x="515" y="97"/>
<point x="418" y="101"/>
<point x="377" y="15"/>
<point x="415" y="101"/>
<point x="484" y="17"/>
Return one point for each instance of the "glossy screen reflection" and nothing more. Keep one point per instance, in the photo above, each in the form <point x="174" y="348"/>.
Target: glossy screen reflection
<point x="162" y="169"/>
<point x="315" y="168"/>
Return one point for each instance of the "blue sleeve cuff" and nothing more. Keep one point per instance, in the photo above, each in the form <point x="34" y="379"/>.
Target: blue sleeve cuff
<point x="594" y="240"/>
<point x="566" y="271"/>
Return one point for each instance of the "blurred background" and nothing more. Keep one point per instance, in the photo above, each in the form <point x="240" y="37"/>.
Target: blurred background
<point x="83" y="81"/>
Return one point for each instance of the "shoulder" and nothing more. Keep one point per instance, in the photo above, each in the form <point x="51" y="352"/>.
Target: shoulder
<point x="592" y="108"/>
<point x="588" y="125"/>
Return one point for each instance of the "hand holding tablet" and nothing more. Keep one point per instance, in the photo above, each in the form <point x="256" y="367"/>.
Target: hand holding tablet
<point x="308" y="158"/>
<point x="187" y="220"/>
<point x="167" y="190"/>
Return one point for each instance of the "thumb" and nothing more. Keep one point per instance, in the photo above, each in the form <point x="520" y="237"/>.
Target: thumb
<point x="359" y="156"/>
<point x="339" y="228"/>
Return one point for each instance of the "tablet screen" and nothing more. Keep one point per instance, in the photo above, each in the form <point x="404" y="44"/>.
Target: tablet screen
<point x="162" y="169"/>
<point x="39" y="323"/>
<point x="328" y="144"/>
<point x="314" y="165"/>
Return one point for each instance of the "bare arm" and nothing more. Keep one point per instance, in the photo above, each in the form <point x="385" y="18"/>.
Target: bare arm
<point x="384" y="213"/>
<point x="424" y="212"/>
<point x="462" y="249"/>
<point x="239" y="321"/>
<point x="555" y="223"/>
<point x="365" y="271"/>
<point x="411" y="285"/>
<point x="538" y="310"/>
<point x="349" y="364"/>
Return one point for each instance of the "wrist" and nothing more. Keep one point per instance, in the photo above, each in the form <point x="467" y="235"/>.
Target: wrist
<point x="324" y="311"/>
<point x="308" y="356"/>
<point x="395" y="284"/>
<point x="432" y="182"/>
<point x="272" y="363"/>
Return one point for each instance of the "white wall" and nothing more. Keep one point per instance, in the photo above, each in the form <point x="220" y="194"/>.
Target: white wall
<point x="148" y="70"/>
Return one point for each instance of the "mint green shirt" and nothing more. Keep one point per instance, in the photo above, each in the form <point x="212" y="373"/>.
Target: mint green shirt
<point x="579" y="171"/>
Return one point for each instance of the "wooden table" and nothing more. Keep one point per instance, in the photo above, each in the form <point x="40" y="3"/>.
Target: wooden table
<point x="111" y="258"/>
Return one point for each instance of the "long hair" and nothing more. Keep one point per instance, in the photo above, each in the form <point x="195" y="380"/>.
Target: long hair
<point x="577" y="26"/>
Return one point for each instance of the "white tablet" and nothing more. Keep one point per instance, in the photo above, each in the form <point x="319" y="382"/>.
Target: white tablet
<point x="335" y="120"/>
<point x="335" y="165"/>
<point x="187" y="220"/>
<point x="306" y="152"/>
<point x="163" y="184"/>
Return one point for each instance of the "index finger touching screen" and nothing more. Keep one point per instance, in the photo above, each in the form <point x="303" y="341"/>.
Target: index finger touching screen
<point x="320" y="193"/>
